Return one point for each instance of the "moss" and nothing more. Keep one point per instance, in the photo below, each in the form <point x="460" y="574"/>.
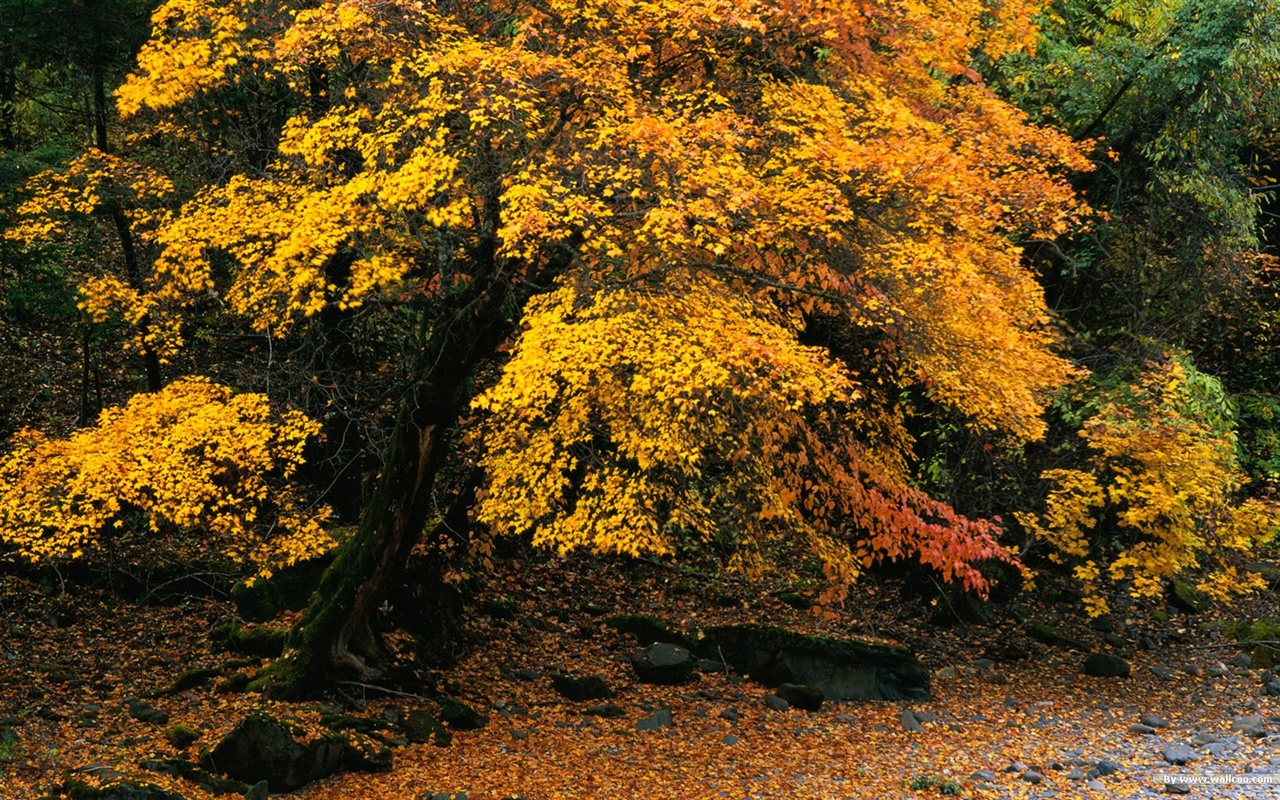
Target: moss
<point x="181" y="736"/>
<point x="1266" y="629"/>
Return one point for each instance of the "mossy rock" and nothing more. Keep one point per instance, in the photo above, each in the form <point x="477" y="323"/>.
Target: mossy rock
<point x="421" y="726"/>
<point x="236" y="683"/>
<point x="191" y="679"/>
<point x="260" y="599"/>
<point x="1185" y="597"/>
<point x="1048" y="634"/>
<point x="844" y="669"/>
<point x="1267" y="629"/>
<point x="181" y="736"/>
<point x="649" y="630"/>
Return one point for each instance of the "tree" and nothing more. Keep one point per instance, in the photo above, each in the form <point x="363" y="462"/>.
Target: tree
<point x="806" y="170"/>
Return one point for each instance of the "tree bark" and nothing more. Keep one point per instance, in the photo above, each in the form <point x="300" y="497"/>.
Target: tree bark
<point x="336" y="635"/>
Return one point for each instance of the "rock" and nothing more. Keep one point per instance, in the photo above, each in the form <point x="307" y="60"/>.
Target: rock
<point x="145" y="712"/>
<point x="181" y="736"/>
<point x="1114" y="639"/>
<point x="909" y="721"/>
<point x="656" y="721"/>
<point x="1048" y="634"/>
<point x="808" y="698"/>
<point x="1177" y="787"/>
<point x="710" y="665"/>
<point x="1162" y="672"/>
<point x="984" y="775"/>
<point x="459" y="716"/>
<point x="649" y="630"/>
<point x="1105" y="767"/>
<point x="1217" y="670"/>
<point x="730" y="739"/>
<point x="261" y="749"/>
<point x="1096" y="785"/>
<point x="1138" y="727"/>
<point x="730" y="714"/>
<point x="843" y="669"/>
<point x="1153" y="721"/>
<point x="182" y="768"/>
<point x="1102" y="623"/>
<point x="605" y="711"/>
<point x="948" y="672"/>
<point x="1249" y="726"/>
<point x="776" y="703"/>
<point x="664" y="663"/>
<point x="529" y="675"/>
<point x="1102" y="665"/>
<point x="1179" y="754"/>
<point x="1242" y="660"/>
<point x="420" y="727"/>
<point x="259" y="791"/>
<point x="579" y="690"/>
<point x="1269" y="570"/>
<point x="1185" y="597"/>
<point x="1031" y="776"/>
<point x="252" y="640"/>
<point x="107" y="784"/>
<point x="191" y="679"/>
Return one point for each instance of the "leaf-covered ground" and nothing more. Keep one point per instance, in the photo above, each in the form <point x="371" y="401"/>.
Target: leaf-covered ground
<point x="69" y="665"/>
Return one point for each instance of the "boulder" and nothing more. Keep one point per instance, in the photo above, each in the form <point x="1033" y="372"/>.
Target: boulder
<point x="664" y="663"/>
<point x="262" y="749"/>
<point x="579" y="690"/>
<point x="1185" y="597"/>
<point x="844" y="669"/>
<point x="1102" y="665"/>
<point x="460" y="716"/>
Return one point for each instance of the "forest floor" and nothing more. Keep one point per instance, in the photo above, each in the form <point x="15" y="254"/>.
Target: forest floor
<point x="72" y="664"/>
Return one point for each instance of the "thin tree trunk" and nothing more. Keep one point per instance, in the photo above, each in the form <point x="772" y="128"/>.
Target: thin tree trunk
<point x="124" y="231"/>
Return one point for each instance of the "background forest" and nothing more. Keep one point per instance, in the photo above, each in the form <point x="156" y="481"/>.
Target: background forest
<point x="974" y="292"/>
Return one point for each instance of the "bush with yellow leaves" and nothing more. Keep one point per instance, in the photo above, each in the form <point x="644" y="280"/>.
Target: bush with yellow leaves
<point x="189" y="473"/>
<point x="1160" y="491"/>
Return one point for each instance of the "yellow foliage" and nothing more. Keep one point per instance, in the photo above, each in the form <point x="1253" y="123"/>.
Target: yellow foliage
<point x="642" y="420"/>
<point x="1161" y="477"/>
<point x="196" y="470"/>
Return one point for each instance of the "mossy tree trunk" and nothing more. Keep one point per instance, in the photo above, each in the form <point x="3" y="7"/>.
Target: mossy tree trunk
<point x="337" y="636"/>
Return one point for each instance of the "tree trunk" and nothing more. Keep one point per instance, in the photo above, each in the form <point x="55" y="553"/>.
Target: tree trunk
<point x="132" y="268"/>
<point x="336" y="635"/>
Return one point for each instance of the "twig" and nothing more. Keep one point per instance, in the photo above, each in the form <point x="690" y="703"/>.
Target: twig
<point x="385" y="690"/>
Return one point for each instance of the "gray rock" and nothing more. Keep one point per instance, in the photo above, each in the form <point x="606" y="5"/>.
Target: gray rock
<point x="1138" y="727"/>
<point x="1153" y="721"/>
<point x="1249" y="726"/>
<point x="1106" y="767"/>
<point x="730" y="739"/>
<point x="730" y="714"/>
<point x="1177" y="788"/>
<point x="948" y="672"/>
<point x="1242" y="660"/>
<point x="909" y="721"/>
<point x="1179" y="754"/>
<point x="1096" y="785"/>
<point x="258" y="791"/>
<point x="656" y="721"/>
<point x="985" y="775"/>
<point x="1031" y="776"/>
<point x="664" y="663"/>
<point x="145" y="712"/>
<point x="1217" y="670"/>
<point x="1162" y="672"/>
<point x="776" y="703"/>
